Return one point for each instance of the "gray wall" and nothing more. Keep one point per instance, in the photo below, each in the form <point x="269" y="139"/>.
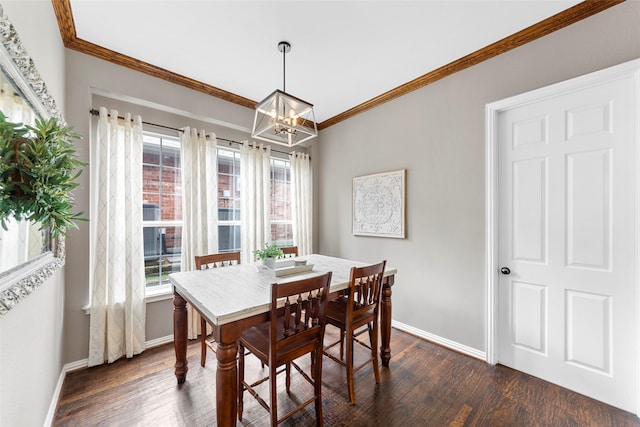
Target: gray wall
<point x="31" y="333"/>
<point x="437" y="135"/>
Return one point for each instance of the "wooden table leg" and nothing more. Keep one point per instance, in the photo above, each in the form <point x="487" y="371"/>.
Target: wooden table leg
<point x="226" y="375"/>
<point x="180" y="336"/>
<point x="385" y="321"/>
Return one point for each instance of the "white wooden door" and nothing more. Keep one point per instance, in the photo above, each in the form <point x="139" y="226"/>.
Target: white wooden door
<point x="566" y="207"/>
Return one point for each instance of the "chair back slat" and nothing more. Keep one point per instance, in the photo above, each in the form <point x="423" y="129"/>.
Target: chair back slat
<point x="316" y="309"/>
<point x="365" y="288"/>
<point x="290" y="252"/>
<point x="310" y="312"/>
<point x="217" y="260"/>
<point x="298" y="319"/>
<point x="287" y="317"/>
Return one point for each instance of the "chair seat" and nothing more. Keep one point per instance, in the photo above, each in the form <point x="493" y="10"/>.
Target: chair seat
<point x="256" y="340"/>
<point x="337" y="314"/>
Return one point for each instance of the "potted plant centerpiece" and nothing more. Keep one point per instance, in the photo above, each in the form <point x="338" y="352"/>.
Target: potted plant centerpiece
<point x="38" y="169"/>
<point x="268" y="255"/>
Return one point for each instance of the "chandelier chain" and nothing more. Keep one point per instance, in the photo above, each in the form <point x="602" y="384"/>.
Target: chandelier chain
<point x="284" y="70"/>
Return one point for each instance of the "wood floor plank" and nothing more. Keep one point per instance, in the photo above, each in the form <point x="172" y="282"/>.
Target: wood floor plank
<point x="426" y="385"/>
<point x="461" y="416"/>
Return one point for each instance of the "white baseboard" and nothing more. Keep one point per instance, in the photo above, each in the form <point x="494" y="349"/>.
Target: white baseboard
<point x="460" y="348"/>
<point x="69" y="367"/>
<point x="80" y="364"/>
<point x="74" y="366"/>
<point x="158" y="341"/>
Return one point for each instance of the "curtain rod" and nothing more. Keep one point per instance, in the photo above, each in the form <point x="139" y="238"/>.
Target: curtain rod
<point x="95" y="112"/>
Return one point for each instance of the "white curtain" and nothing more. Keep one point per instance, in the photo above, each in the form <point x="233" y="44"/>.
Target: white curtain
<point x="301" y="202"/>
<point x="199" y="205"/>
<point x="117" y="325"/>
<point x="255" y="198"/>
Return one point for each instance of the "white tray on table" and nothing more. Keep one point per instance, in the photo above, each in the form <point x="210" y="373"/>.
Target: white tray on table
<point x="287" y="267"/>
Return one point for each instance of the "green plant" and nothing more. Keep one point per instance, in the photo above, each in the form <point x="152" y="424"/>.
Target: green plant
<point x="269" y="251"/>
<point x="38" y="169"/>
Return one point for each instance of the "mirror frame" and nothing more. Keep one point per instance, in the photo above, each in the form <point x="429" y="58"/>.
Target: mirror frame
<point x="20" y="281"/>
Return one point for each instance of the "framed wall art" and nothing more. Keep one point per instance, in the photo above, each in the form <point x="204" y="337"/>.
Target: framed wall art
<point x="379" y="205"/>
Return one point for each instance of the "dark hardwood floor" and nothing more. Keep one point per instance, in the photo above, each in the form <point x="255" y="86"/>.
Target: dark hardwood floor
<point x="426" y="385"/>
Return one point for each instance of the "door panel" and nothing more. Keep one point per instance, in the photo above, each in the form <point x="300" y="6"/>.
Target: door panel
<point x="529" y="210"/>
<point x="588" y="209"/>
<point x="567" y="228"/>
<point x="589" y="331"/>
<point x="530" y="316"/>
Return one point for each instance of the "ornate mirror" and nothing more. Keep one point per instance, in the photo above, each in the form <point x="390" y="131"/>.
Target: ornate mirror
<point x="28" y="254"/>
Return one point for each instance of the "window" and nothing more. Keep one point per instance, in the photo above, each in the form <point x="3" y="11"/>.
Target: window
<point x="281" y="226"/>
<point x="228" y="200"/>
<point x="161" y="207"/>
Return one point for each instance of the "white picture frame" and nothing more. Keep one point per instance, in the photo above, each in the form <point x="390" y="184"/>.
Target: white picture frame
<point x="379" y="205"/>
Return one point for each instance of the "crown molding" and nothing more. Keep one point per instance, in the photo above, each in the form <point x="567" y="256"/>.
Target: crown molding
<point x="556" y="22"/>
<point x="545" y="27"/>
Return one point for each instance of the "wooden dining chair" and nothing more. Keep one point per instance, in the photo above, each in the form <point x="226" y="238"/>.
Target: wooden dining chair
<point x="354" y="314"/>
<point x="294" y="329"/>
<point x="290" y="252"/>
<point x="202" y="263"/>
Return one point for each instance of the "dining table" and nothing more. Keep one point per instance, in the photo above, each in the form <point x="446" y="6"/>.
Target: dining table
<point x="237" y="297"/>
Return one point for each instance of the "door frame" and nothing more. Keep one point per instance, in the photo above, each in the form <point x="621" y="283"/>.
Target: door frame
<point x="492" y="110"/>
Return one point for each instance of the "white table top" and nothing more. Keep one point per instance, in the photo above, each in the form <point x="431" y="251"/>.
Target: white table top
<point x="227" y="294"/>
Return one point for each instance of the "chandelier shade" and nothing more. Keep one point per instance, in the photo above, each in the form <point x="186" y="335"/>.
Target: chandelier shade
<point x="282" y="118"/>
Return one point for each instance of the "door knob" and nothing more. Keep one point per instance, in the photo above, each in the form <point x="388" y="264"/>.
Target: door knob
<point x="505" y="270"/>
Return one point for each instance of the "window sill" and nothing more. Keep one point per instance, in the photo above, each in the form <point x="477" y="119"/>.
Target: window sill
<point x="159" y="293"/>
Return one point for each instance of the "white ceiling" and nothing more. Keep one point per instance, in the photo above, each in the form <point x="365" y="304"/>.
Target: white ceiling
<point x="343" y="52"/>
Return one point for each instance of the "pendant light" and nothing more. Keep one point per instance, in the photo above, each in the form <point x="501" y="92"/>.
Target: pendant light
<point x="282" y="118"/>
